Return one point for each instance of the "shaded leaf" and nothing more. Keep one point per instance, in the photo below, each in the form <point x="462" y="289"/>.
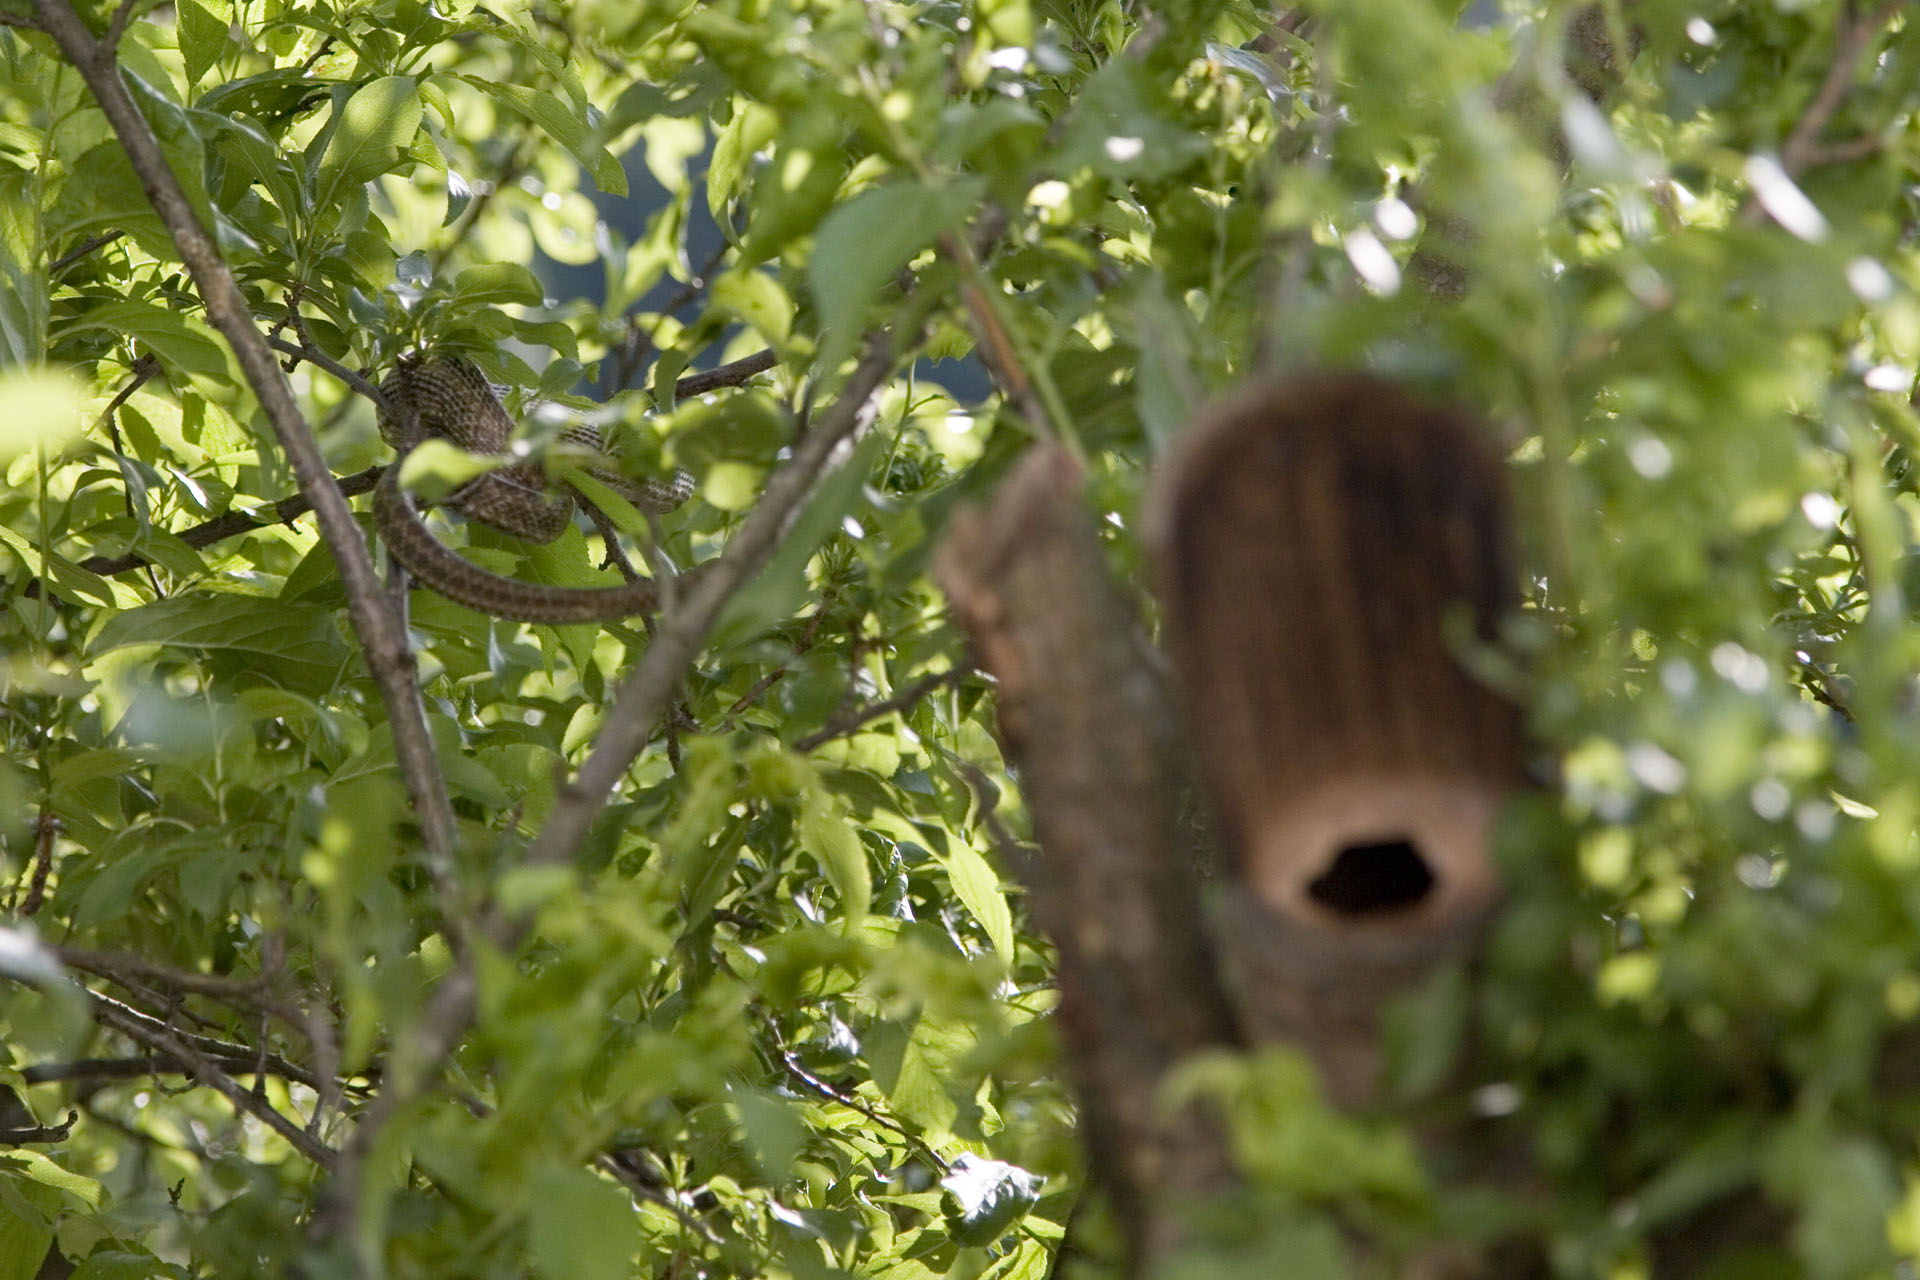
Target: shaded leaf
<point x="495" y="284"/>
<point x="563" y="125"/>
<point x="826" y="832"/>
<point x="203" y="38"/>
<point x="862" y="243"/>
<point x="289" y="635"/>
<point x="372" y="129"/>
<point x="579" y="1227"/>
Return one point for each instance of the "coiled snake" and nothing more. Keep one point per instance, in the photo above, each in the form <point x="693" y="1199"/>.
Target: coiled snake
<point x="450" y="399"/>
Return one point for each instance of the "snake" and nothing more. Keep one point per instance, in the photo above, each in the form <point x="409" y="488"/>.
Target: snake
<point x="448" y="398"/>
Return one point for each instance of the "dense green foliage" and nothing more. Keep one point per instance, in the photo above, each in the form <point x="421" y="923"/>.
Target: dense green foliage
<point x="789" y="1005"/>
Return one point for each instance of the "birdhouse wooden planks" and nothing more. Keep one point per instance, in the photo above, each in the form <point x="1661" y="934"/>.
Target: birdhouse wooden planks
<point x="1327" y="550"/>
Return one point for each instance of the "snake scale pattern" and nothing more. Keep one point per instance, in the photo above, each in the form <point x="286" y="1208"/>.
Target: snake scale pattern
<point x="451" y="399"/>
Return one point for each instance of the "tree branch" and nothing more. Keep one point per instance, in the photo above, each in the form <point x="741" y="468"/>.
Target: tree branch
<point x="232" y="524"/>
<point x="39" y="1133"/>
<point x="381" y="636"/>
<point x="251" y="993"/>
<point x="1087" y="725"/>
<point x="85" y="247"/>
<point x="148" y="1065"/>
<point x="1849" y="42"/>
<point x="141" y="1029"/>
<point x="726" y="375"/>
<point x="314" y="356"/>
<point x="109" y="46"/>
<point x="249" y="1058"/>
<point x="906" y="698"/>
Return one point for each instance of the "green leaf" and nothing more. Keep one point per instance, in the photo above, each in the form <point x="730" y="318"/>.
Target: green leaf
<point x="1009" y="22"/>
<point x="580" y="1227"/>
<point x="23" y="284"/>
<point x="244" y="142"/>
<point x="436" y="467"/>
<point x="48" y="1174"/>
<point x="827" y="834"/>
<point x="203" y="38"/>
<point x="752" y="127"/>
<point x="38" y="407"/>
<point x="182" y="144"/>
<point x="25" y="1235"/>
<point x="565" y="562"/>
<point x="862" y="244"/>
<point x="775" y="1135"/>
<point x="110" y="199"/>
<point x="69" y="579"/>
<point x="1846" y="1187"/>
<point x="795" y="188"/>
<point x="914" y="1065"/>
<point x="494" y="284"/>
<point x="978" y="887"/>
<point x="757" y="298"/>
<point x="561" y="124"/>
<point x="293" y="638"/>
<point x="985" y="1198"/>
<point x="116" y="1264"/>
<point x="181" y="341"/>
<point x="374" y="127"/>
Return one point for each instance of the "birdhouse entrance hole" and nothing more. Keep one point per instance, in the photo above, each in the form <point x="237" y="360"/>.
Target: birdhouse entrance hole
<point x="1374" y="878"/>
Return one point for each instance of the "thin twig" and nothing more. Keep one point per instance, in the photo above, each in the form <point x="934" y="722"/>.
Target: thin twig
<point x="45" y="828"/>
<point x="252" y="993"/>
<point x="216" y="1049"/>
<point x="851" y="1103"/>
<point x="623" y="1171"/>
<point x="809" y="635"/>
<point x="906" y="698"/>
<point x="222" y="527"/>
<point x="638" y="342"/>
<point x="86" y="247"/>
<point x="1849" y="42"/>
<point x="1826" y="153"/>
<point x="998" y="350"/>
<point x="150" y="1065"/>
<point x="109" y="47"/>
<point x="140" y="1028"/>
<point x="229" y="525"/>
<point x="143" y="369"/>
<point x="39" y="1133"/>
<point x="314" y="356"/>
<point x="19" y="20"/>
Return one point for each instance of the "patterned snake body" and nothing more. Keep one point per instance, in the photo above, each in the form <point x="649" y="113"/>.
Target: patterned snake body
<point x="452" y="400"/>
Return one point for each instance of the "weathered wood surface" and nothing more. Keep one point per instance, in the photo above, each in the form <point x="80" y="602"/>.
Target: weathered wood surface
<point x="1327" y="550"/>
